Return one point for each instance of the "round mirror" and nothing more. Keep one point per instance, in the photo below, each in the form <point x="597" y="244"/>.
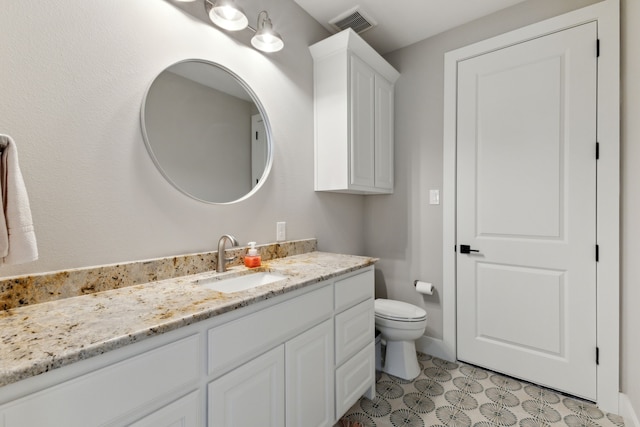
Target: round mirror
<point x="207" y="132"/>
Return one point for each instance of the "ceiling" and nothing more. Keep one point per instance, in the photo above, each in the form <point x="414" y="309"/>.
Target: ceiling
<point x="404" y="22"/>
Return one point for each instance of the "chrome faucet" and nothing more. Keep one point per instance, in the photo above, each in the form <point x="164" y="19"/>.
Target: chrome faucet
<point x="220" y="265"/>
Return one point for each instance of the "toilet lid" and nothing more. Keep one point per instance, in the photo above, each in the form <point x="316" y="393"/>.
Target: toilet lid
<point x="398" y="310"/>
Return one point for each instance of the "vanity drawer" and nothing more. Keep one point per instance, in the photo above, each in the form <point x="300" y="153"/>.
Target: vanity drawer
<point x="353" y="289"/>
<point x="238" y="341"/>
<point x="354" y="330"/>
<point x="111" y="394"/>
<point x="354" y="378"/>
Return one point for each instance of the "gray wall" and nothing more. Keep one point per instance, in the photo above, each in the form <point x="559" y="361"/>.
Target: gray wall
<point x="72" y="80"/>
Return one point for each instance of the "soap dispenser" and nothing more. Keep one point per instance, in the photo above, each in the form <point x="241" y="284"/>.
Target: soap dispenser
<point x="252" y="259"/>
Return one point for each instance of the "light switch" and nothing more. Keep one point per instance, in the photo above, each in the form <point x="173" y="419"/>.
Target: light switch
<point x="281" y="231"/>
<point x="434" y="197"/>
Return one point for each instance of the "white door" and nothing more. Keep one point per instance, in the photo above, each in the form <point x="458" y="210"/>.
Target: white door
<point x="526" y="202"/>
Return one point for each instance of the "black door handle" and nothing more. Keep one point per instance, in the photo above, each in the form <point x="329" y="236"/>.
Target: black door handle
<point x="466" y="249"/>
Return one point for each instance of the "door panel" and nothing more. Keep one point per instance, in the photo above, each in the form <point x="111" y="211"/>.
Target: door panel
<point x="526" y="200"/>
<point x="503" y="116"/>
<point x="542" y="289"/>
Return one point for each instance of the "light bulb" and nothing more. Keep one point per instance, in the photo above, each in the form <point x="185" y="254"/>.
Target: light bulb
<point x="225" y="14"/>
<point x="265" y="38"/>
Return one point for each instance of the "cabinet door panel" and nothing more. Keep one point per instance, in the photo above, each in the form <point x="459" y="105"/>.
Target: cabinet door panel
<point x="354" y="378"/>
<point x="309" y="374"/>
<point x="362" y="129"/>
<point x="184" y="412"/>
<point x="354" y="330"/>
<point x="354" y="289"/>
<point x="383" y="134"/>
<point x="251" y="395"/>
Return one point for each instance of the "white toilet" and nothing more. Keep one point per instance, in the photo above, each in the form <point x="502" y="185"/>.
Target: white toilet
<point x="400" y="324"/>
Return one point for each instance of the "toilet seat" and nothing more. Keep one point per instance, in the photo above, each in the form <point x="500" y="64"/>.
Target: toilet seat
<point x="398" y="310"/>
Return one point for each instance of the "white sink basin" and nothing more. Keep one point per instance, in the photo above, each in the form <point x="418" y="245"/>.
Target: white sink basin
<point x="241" y="283"/>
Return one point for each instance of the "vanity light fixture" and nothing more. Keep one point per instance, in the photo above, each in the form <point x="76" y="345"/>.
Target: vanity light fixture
<point x="265" y="38"/>
<point x="226" y="14"/>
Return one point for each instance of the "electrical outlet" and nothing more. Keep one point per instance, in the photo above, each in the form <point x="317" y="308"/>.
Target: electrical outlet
<point x="281" y="231"/>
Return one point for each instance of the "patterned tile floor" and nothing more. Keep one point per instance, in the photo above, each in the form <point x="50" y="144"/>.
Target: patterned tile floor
<point x="458" y="395"/>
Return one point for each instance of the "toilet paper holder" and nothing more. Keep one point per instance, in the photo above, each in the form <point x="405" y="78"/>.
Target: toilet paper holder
<point x="425" y="288"/>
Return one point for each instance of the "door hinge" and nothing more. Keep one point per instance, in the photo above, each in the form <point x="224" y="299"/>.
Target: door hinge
<point x="597" y="253"/>
<point x="597" y="355"/>
<point x="597" y="48"/>
<point x="597" y="151"/>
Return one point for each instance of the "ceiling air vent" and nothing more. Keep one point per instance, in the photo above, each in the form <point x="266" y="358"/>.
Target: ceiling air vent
<point x="355" y="19"/>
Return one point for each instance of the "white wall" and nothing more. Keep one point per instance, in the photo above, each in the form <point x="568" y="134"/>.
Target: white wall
<point x="72" y="78"/>
<point x="630" y="129"/>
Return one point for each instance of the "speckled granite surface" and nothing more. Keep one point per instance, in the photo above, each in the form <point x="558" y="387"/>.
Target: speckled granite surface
<point x="40" y="337"/>
<point x="36" y="289"/>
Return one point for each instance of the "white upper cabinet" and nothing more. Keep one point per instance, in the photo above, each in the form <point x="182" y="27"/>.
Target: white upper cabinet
<point x="353" y="93"/>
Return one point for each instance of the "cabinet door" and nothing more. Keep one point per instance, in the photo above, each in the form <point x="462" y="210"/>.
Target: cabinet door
<point x="251" y="395"/>
<point x="184" y="412"/>
<point x="362" y="118"/>
<point x="309" y="377"/>
<point x="383" y="134"/>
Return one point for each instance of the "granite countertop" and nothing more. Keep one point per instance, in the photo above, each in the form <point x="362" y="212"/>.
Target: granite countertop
<point x="41" y="337"/>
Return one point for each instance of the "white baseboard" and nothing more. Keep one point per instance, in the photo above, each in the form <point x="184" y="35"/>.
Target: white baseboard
<point x="627" y="412"/>
<point x="434" y="347"/>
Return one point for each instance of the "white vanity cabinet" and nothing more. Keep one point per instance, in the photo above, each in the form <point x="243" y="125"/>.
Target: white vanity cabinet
<point x="290" y="385"/>
<point x="311" y="378"/>
<point x="254" y="393"/>
<point x="353" y="103"/>
<point x="298" y="360"/>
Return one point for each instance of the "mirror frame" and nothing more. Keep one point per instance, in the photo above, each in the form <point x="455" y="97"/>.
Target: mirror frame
<point x="261" y="110"/>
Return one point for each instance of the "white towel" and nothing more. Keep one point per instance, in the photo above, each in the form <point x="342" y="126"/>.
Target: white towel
<point x="17" y="236"/>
